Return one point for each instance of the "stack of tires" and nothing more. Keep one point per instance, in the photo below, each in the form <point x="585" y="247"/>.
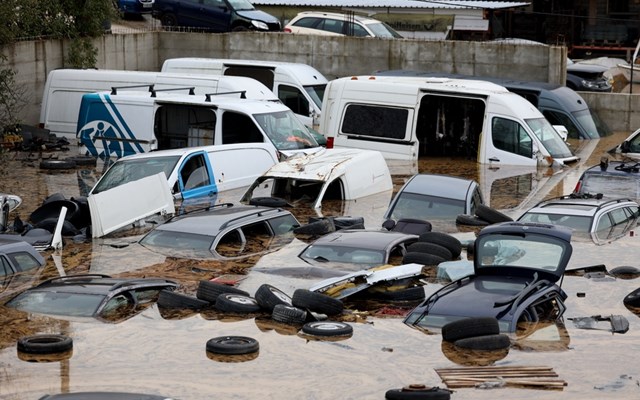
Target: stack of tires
<point x="433" y="248"/>
<point x="484" y="215"/>
<point x="482" y="333"/>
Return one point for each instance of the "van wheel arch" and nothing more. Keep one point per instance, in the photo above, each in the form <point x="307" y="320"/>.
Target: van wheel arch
<point x="240" y="28"/>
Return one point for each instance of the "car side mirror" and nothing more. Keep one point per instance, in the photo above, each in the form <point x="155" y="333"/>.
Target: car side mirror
<point x="624" y="147"/>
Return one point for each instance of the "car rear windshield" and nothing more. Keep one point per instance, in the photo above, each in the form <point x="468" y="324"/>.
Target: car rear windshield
<point x="611" y="185"/>
<point x="344" y="254"/>
<point x="579" y="223"/>
<point x="412" y="205"/>
<point x="125" y="171"/>
<point x="177" y="240"/>
<point x="57" y="303"/>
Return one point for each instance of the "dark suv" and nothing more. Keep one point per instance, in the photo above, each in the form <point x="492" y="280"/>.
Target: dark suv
<point x="214" y="15"/>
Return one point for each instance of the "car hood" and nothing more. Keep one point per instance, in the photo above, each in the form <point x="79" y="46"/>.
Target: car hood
<point x="258" y="15"/>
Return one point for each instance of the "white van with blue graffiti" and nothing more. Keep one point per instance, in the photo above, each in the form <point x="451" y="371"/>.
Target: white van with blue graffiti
<point x="130" y="122"/>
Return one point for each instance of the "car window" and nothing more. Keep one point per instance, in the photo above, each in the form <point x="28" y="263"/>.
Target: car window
<point x="383" y="30"/>
<point x="57" y="303"/>
<point x="116" y="307"/>
<point x="316" y="92"/>
<point x="510" y="136"/>
<point x="611" y="185"/>
<point x="25" y="260"/>
<point x="332" y="25"/>
<point x="283" y="224"/>
<point x="194" y="173"/>
<point x="293" y="98"/>
<point x="530" y="251"/>
<point x="307" y="22"/>
<point x="575" y="222"/>
<point x="344" y="254"/>
<point x="412" y="205"/>
<point x="353" y="29"/>
<point x="177" y="240"/>
<point x="125" y="171"/>
<point x="5" y="267"/>
<point x="366" y="120"/>
<point x="559" y="118"/>
<point x="239" y="128"/>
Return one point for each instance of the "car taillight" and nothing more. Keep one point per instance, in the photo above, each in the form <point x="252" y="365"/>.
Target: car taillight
<point x="577" y="188"/>
<point x="329" y="144"/>
<point x="288" y="30"/>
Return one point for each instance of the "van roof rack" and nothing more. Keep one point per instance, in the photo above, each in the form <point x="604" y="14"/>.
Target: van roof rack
<point x="114" y="89"/>
<point x="243" y="94"/>
<point x="190" y="88"/>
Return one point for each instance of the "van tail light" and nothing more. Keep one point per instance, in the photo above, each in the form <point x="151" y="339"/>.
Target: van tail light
<point x="288" y="30"/>
<point x="577" y="188"/>
<point x="329" y="144"/>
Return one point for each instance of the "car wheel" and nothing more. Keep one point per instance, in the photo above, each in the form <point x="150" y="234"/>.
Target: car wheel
<point x="491" y="215"/>
<point x="327" y="328"/>
<point x="232" y="345"/>
<point x="209" y="291"/>
<point x="486" y="342"/>
<point x="240" y="28"/>
<point x="470" y="327"/>
<point x="632" y="299"/>
<point x="168" y="20"/>
<point x="418" y="392"/>
<point x="288" y="314"/>
<point x="268" y="297"/>
<point x="470" y="220"/>
<point x="430" y="248"/>
<point x="45" y="344"/>
<point x="444" y="240"/>
<point x="237" y="303"/>
<point x="317" y="302"/>
<point x="170" y="299"/>
<point x="422" y="258"/>
<point x="57" y="164"/>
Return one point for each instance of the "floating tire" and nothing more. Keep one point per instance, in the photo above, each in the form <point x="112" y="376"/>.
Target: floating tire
<point x="289" y="314"/>
<point x="418" y="392"/>
<point x="84" y="161"/>
<point x="45" y="344"/>
<point x="491" y="215"/>
<point x="174" y="300"/>
<point x="321" y="227"/>
<point x="327" y="328"/>
<point x="269" y="296"/>
<point x="444" y="240"/>
<point x="51" y="209"/>
<point x="209" y="291"/>
<point x="410" y="294"/>
<point x="632" y="299"/>
<point x="269" y="202"/>
<point x="430" y="248"/>
<point x="422" y="258"/>
<point x="470" y="327"/>
<point x="470" y="220"/>
<point x="57" y="164"/>
<point x="317" y="302"/>
<point x="237" y="303"/>
<point x="625" y="272"/>
<point x="486" y="342"/>
<point x="232" y="345"/>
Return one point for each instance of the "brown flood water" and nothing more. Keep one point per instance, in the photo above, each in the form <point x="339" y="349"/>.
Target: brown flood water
<point x="161" y="353"/>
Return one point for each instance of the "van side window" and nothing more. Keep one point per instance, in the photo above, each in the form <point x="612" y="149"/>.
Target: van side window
<point x="174" y="126"/>
<point x="261" y="74"/>
<point x="558" y="118"/>
<point x="385" y="122"/>
<point x="239" y="128"/>
<point x="510" y="136"/>
<point x="294" y="99"/>
<point x="194" y="173"/>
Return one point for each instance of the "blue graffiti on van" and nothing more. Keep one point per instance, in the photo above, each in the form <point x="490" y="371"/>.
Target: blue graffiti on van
<point x="102" y="122"/>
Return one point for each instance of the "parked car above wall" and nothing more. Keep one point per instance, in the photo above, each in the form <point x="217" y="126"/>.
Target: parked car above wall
<point x="214" y="15"/>
<point x="135" y="8"/>
<point x="587" y="77"/>
<point x="335" y="24"/>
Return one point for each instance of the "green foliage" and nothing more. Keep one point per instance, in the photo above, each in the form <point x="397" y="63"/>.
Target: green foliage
<point x="11" y="96"/>
<point x="82" y="54"/>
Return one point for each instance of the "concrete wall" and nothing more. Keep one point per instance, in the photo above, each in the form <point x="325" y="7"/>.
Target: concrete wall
<point x="618" y="110"/>
<point x="332" y="56"/>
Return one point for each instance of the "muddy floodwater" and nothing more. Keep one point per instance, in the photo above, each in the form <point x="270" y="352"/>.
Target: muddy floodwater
<point x="160" y="352"/>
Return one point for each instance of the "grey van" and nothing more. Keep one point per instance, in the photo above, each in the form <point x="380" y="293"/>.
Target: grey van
<point x="559" y="104"/>
<point x="214" y="15"/>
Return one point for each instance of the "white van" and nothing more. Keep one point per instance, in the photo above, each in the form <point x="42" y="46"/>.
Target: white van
<point x="65" y="87"/>
<point x="408" y="117"/>
<point x="299" y="86"/>
<point x="129" y="122"/>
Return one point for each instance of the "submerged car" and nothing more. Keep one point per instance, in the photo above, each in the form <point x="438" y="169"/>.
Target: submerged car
<point x="432" y="196"/>
<point x="92" y="295"/>
<point x="17" y="257"/>
<point x="359" y="246"/>
<point x="516" y="269"/>
<point x="630" y="147"/>
<point x="614" y="179"/>
<point x="225" y="231"/>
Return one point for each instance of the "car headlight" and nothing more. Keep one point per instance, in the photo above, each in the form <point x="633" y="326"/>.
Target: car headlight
<point x="590" y="84"/>
<point x="260" y="25"/>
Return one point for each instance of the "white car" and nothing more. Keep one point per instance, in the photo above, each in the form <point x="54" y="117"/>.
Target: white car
<point x="334" y="24"/>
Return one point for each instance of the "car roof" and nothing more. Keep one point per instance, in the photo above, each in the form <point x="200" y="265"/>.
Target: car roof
<point x="439" y="185"/>
<point x="211" y="221"/>
<point x="365" y="239"/>
<point x="360" y="18"/>
<point x="579" y="206"/>
<point x="96" y="284"/>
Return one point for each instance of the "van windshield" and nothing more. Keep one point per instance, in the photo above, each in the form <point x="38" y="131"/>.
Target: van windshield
<point x="316" y="92"/>
<point x="585" y="119"/>
<point x="239" y="5"/>
<point x="551" y="140"/>
<point x="286" y="131"/>
<point x="125" y="171"/>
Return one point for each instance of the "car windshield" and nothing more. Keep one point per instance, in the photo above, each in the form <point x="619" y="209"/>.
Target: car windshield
<point x="57" y="303"/>
<point x="412" y="205"/>
<point x="344" y="254"/>
<point x="286" y="131"/>
<point x="615" y="186"/>
<point x="578" y="223"/>
<point x="241" y="5"/>
<point x="316" y="92"/>
<point x="124" y="171"/>
<point x="178" y="240"/>
<point x="383" y="30"/>
<point x="554" y="144"/>
<point x="531" y="251"/>
<point x="586" y="120"/>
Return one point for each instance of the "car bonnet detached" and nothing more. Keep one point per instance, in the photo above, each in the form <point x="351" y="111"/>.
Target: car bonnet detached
<point x="516" y="267"/>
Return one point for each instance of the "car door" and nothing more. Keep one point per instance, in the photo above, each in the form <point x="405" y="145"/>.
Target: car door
<point x="196" y="177"/>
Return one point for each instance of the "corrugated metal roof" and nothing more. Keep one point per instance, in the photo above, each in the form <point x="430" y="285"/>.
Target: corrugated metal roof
<point x="392" y="4"/>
